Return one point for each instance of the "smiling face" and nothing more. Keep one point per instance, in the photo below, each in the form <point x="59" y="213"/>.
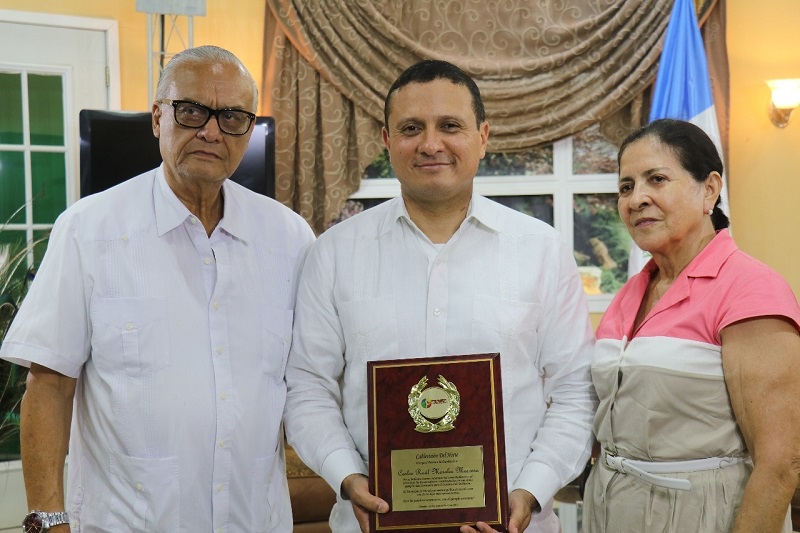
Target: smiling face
<point x="434" y="143"/>
<point x="662" y="205"/>
<point x="193" y="157"/>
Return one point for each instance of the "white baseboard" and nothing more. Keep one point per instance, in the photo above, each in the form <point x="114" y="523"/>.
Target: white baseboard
<point x="13" y="505"/>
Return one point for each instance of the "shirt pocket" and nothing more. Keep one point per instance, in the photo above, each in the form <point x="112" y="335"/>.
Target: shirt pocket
<point x="131" y="333"/>
<point x="269" y="496"/>
<point x="144" y="494"/>
<point x="370" y="332"/>
<point x="509" y="327"/>
<point x="277" y="336"/>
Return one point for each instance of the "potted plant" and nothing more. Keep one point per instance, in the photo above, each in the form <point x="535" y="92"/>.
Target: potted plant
<point x="16" y="272"/>
<point x="14" y="279"/>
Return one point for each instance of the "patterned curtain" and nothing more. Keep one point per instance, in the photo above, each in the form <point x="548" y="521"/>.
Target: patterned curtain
<point x="712" y="19"/>
<point x="546" y="70"/>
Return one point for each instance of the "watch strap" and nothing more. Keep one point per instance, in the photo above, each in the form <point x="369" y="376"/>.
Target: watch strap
<point x="56" y="519"/>
<point x="46" y="519"/>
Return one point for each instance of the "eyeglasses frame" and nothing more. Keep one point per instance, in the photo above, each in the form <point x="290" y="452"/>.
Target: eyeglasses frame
<point x="211" y="113"/>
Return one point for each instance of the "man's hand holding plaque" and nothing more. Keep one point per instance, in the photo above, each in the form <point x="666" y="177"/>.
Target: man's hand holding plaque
<point x="356" y="488"/>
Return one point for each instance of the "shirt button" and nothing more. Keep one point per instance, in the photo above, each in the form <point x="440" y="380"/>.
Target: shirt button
<point x="436" y="312"/>
<point x="139" y="487"/>
<point x="219" y="349"/>
<point x="192" y="220"/>
<point x="129" y="326"/>
<point x="222" y="444"/>
<point x="215" y="306"/>
<point x="219" y="487"/>
<point x="125" y="237"/>
<point x="207" y="260"/>
<point x="223" y="396"/>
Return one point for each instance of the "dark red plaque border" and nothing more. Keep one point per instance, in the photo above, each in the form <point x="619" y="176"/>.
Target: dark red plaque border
<point x="480" y="423"/>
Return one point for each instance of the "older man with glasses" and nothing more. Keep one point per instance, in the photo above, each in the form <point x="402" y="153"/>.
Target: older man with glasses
<point x="157" y="331"/>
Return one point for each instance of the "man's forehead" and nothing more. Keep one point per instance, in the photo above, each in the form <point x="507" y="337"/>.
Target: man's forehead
<point x="434" y="85"/>
<point x="439" y="100"/>
<point x="204" y="86"/>
<point x="196" y="72"/>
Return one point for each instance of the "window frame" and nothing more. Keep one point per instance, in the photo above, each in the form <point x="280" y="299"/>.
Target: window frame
<point x="70" y="125"/>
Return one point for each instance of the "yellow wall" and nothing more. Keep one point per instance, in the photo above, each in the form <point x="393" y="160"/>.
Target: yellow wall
<point x="235" y="25"/>
<point x="763" y="42"/>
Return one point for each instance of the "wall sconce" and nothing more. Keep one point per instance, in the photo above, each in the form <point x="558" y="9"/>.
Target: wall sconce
<point x="785" y="97"/>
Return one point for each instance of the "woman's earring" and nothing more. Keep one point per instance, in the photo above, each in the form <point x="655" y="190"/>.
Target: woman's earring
<point x="711" y="211"/>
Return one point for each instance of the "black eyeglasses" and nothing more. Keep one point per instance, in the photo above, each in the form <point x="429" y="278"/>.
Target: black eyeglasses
<point x="193" y="115"/>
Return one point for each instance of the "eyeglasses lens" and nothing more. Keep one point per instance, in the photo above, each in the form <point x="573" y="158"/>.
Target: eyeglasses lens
<point x="195" y="116"/>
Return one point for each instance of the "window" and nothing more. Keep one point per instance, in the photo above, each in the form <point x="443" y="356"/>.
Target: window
<point x="571" y="185"/>
<point x="33" y="156"/>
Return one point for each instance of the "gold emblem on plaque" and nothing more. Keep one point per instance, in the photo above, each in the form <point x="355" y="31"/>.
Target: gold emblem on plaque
<point x="440" y="404"/>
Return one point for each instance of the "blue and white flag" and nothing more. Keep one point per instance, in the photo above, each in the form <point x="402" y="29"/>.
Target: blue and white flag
<point x="683" y="91"/>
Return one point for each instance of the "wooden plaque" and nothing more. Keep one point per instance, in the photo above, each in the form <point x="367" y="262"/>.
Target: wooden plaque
<point x="436" y="443"/>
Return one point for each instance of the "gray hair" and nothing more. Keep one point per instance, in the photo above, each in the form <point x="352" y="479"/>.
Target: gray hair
<point x="201" y="54"/>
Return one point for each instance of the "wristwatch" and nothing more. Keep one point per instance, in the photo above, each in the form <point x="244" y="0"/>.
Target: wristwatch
<point x="39" y="521"/>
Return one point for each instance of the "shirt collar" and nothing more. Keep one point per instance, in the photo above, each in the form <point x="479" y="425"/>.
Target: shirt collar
<point x="481" y="210"/>
<point x="235" y="221"/>
<point x="708" y="262"/>
<point x="171" y="213"/>
<point x="395" y="212"/>
<point x="485" y="212"/>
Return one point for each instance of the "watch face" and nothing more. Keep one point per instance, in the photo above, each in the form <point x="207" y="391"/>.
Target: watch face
<point x="32" y="524"/>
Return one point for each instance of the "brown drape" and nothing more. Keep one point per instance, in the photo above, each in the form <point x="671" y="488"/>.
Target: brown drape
<point x="714" y="30"/>
<point x="546" y="70"/>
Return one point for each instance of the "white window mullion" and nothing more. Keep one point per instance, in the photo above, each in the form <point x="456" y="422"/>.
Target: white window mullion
<point x="562" y="201"/>
<point x="26" y="147"/>
<point x="71" y="134"/>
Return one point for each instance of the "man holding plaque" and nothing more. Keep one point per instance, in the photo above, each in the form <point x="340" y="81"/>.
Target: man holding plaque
<point x="442" y="271"/>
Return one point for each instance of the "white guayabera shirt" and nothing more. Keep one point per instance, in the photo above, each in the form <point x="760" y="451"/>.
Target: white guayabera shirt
<point x="375" y="288"/>
<point x="179" y="343"/>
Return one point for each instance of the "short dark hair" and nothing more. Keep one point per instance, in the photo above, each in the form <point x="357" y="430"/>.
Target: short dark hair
<point x="434" y="69"/>
<point x="694" y="149"/>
